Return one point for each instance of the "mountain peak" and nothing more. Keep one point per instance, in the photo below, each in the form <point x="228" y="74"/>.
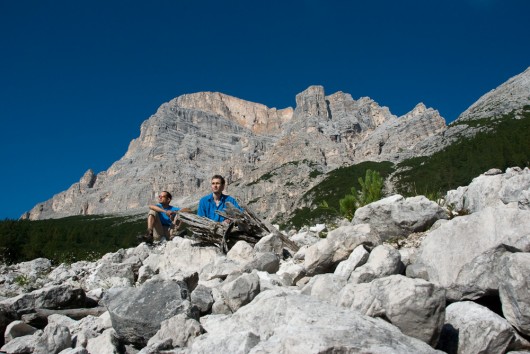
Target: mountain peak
<point x="509" y="97"/>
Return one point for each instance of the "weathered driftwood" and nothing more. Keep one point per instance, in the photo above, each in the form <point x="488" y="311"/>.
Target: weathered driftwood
<point x="75" y="314"/>
<point x="243" y="225"/>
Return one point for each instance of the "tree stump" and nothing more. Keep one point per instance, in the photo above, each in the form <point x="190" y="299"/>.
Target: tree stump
<point x="241" y="226"/>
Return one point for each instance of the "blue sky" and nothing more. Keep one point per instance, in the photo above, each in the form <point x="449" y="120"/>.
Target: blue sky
<point x="77" y="78"/>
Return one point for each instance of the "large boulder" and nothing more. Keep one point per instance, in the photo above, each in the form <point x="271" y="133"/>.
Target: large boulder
<point x="108" y="275"/>
<point x="136" y="313"/>
<point x="462" y="254"/>
<point x="241" y="290"/>
<point x="107" y="343"/>
<point x="514" y="277"/>
<point x="180" y="330"/>
<point x="415" y="306"/>
<point x="324" y="287"/>
<point x="279" y="321"/>
<point x="181" y="257"/>
<point x="396" y="216"/>
<point x="382" y="261"/>
<point x="492" y="188"/>
<point x="471" y="328"/>
<point x="326" y="254"/>
<point x="50" y="297"/>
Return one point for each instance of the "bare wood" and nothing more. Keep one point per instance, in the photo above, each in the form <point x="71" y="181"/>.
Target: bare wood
<point x="244" y="225"/>
<point x="75" y="314"/>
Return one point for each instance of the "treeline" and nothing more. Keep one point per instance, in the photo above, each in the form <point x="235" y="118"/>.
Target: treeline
<point x="68" y="239"/>
<point x="506" y="145"/>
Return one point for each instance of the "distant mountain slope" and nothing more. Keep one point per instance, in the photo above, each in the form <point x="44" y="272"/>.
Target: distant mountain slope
<point x="270" y="157"/>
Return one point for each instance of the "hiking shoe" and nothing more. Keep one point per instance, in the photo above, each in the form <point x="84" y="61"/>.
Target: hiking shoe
<point x="147" y="238"/>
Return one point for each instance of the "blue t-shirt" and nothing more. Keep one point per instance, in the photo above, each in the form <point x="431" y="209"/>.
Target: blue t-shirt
<point x="164" y="219"/>
<point x="207" y="206"/>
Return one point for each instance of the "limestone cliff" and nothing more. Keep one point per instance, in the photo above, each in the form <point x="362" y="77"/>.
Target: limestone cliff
<point x="269" y="156"/>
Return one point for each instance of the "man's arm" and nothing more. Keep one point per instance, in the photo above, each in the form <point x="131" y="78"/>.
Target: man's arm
<point x="160" y="210"/>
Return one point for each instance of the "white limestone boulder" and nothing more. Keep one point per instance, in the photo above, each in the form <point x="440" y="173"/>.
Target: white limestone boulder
<point x="514" y="290"/>
<point x="396" y="216"/>
<point x="462" y="254"/>
<point x="415" y="306"/>
<point x="471" y="328"/>
<point x="282" y="321"/>
<point x="492" y="189"/>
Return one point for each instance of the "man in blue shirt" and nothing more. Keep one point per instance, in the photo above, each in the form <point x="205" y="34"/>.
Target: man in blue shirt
<point x="160" y="218"/>
<point x="216" y="201"/>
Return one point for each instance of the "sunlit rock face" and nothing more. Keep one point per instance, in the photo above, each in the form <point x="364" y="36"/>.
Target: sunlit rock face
<point x="270" y="157"/>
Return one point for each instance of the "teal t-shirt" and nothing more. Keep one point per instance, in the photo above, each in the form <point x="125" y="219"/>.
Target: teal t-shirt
<point x="164" y="219"/>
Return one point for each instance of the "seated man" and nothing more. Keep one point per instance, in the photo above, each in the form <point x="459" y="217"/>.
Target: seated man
<point x="216" y="201"/>
<point x="160" y="218"/>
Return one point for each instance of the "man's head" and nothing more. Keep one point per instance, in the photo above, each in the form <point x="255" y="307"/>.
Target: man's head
<point x="218" y="184"/>
<point x="164" y="197"/>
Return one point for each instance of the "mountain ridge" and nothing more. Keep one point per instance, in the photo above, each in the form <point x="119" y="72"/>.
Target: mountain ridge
<point x="194" y="136"/>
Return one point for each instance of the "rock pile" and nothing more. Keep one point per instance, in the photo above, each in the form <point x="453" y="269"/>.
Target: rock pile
<point x="464" y="290"/>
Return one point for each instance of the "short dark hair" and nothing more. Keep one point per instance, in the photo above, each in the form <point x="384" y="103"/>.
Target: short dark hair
<point x="168" y="194"/>
<point x="219" y="177"/>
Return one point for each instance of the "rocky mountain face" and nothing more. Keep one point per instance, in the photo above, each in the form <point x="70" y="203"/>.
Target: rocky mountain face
<point x="406" y="275"/>
<point x="270" y="157"/>
<point x="509" y="98"/>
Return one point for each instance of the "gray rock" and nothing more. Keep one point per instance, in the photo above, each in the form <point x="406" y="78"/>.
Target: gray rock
<point x="24" y="344"/>
<point x="489" y="190"/>
<point x="136" y="313"/>
<point x="106" y="343"/>
<point x="268" y="281"/>
<point x="415" y="306"/>
<point x="241" y="290"/>
<point x="382" y="261"/>
<point x="323" y="256"/>
<point x="396" y="216"/>
<point x="18" y="329"/>
<point x="180" y="258"/>
<point x="219" y="268"/>
<point x="108" y="275"/>
<point x="467" y="321"/>
<point x="180" y="330"/>
<point x="78" y="350"/>
<point x="202" y="298"/>
<point x="357" y="258"/>
<point x="54" y="339"/>
<point x="514" y="280"/>
<point x="270" y="243"/>
<point x="457" y="251"/>
<point x="305" y="238"/>
<point x="240" y="342"/>
<point x="241" y="252"/>
<point x="324" y="287"/>
<point x="51" y="297"/>
<point x="265" y="262"/>
<point x="296" y="323"/>
<point x="290" y="272"/>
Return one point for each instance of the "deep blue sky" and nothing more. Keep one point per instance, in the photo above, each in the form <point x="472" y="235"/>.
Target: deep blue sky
<point x="77" y="78"/>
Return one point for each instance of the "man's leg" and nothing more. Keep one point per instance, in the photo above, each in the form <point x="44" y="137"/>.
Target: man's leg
<point x="154" y="226"/>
